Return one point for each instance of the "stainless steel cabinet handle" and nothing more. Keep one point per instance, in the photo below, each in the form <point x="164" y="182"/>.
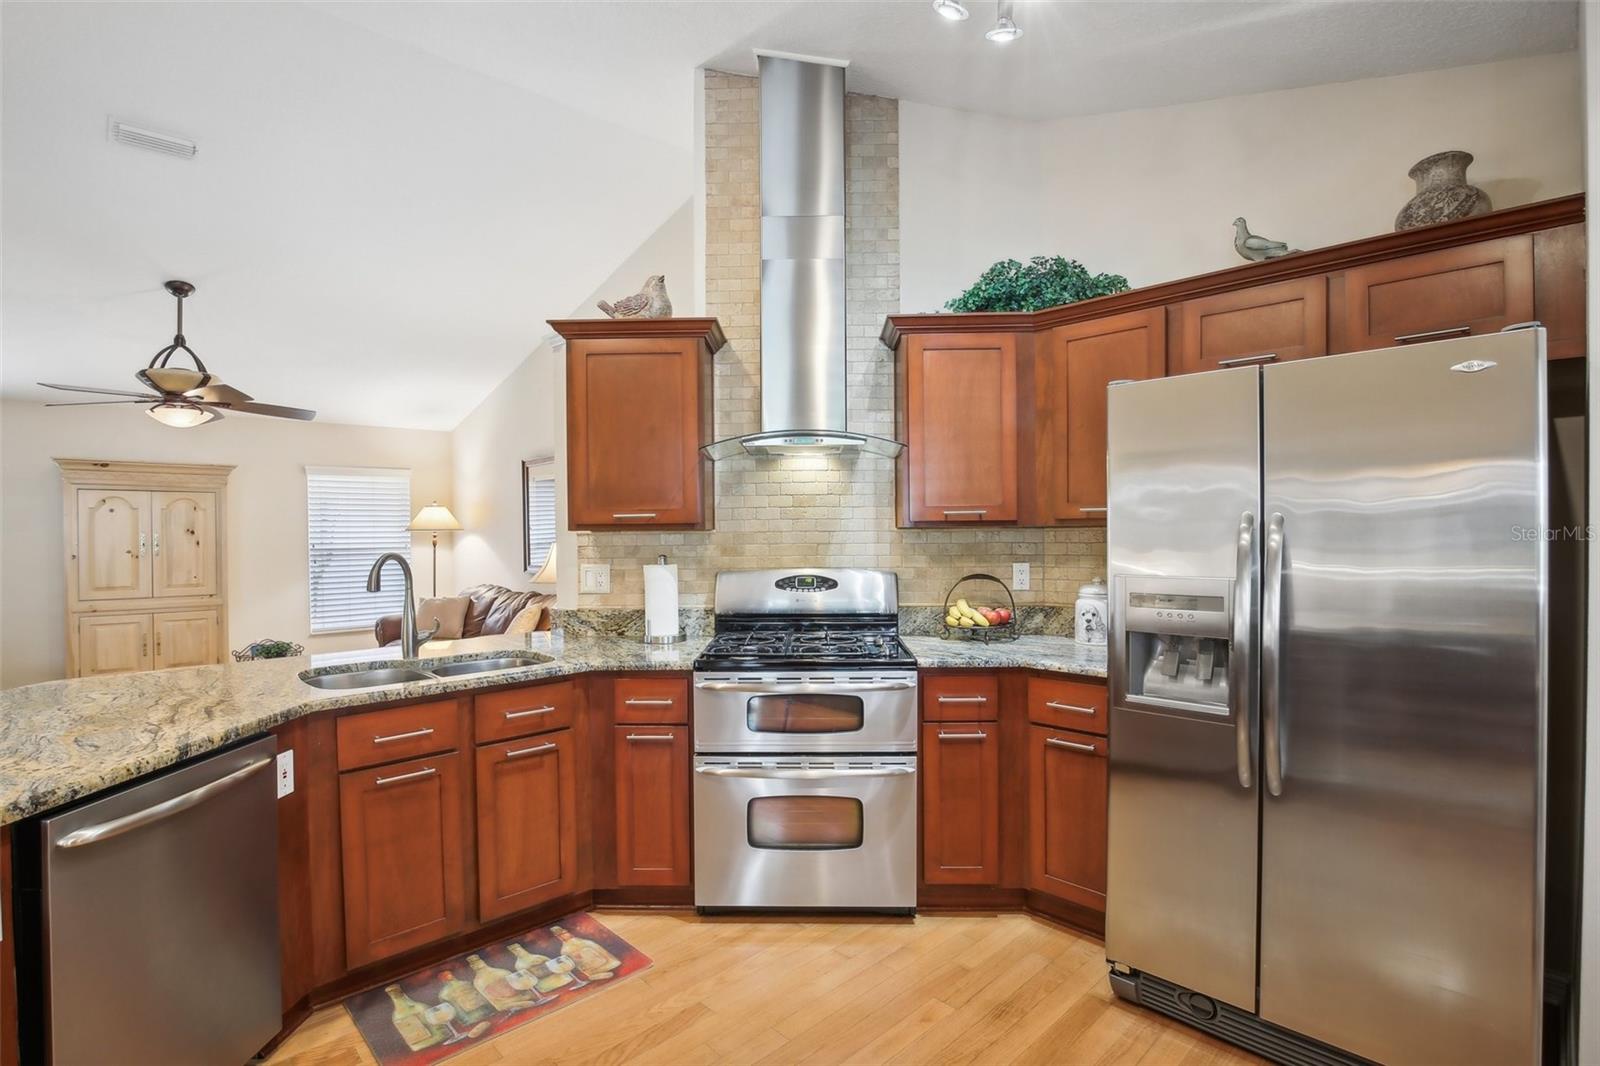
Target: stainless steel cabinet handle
<point x="977" y="511"/>
<point x="1057" y="705"/>
<point x="634" y="514"/>
<point x="800" y="775"/>
<point x="156" y="542"/>
<point x="165" y="809"/>
<point x="843" y="687"/>
<point x="536" y="749"/>
<point x="1434" y="334"/>
<point x="963" y="699"/>
<point x="979" y="735"/>
<point x="426" y="771"/>
<point x="1246" y="360"/>
<point x="1241" y="653"/>
<point x="651" y="736"/>
<point x="1092" y="510"/>
<point x="530" y="711"/>
<point x="1057" y="742"/>
<point x="403" y="736"/>
<point x="1272" y="655"/>
<point x="648" y="703"/>
<point x="141" y="545"/>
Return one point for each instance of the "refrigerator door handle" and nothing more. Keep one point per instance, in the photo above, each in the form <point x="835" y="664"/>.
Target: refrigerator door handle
<point x="1272" y="654"/>
<point x="1239" y="657"/>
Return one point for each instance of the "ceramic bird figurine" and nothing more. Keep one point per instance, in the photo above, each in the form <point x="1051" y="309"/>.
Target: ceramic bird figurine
<point x="649" y="302"/>
<point x="1256" y="248"/>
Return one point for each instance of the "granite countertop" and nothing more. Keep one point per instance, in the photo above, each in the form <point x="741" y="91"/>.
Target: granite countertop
<point x="62" y="740"/>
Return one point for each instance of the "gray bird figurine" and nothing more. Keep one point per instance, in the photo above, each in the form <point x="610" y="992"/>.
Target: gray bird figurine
<point x="649" y="302"/>
<point x="1256" y="248"/>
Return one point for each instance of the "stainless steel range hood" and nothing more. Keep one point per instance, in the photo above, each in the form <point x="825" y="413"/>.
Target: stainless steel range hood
<point x="803" y="351"/>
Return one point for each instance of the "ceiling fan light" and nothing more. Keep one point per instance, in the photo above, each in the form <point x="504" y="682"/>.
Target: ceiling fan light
<point x="1005" y="29"/>
<point x="180" y="415"/>
<point x="174" y="379"/>
<point x="953" y="10"/>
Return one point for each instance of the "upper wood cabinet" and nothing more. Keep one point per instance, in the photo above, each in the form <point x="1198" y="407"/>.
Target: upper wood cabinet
<point x="1073" y="367"/>
<point x="1475" y="288"/>
<point x="958" y="417"/>
<point x="1264" y="323"/>
<point x="112" y="550"/>
<point x="639" y="409"/>
<point x="183" y="543"/>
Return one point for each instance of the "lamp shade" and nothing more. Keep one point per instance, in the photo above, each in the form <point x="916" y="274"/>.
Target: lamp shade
<point x="434" y="519"/>
<point x="547" y="572"/>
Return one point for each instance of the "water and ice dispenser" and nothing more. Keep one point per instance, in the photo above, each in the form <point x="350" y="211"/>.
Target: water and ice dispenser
<point x="1178" y="634"/>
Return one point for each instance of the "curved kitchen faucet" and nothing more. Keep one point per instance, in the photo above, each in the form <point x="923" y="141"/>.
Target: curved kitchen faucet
<point x="409" y="637"/>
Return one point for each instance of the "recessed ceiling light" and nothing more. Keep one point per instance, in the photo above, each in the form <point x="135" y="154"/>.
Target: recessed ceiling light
<point x="1005" y="29"/>
<point x="953" y="10"/>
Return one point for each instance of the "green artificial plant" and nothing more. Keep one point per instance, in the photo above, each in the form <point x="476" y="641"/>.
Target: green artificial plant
<point x="1046" y="281"/>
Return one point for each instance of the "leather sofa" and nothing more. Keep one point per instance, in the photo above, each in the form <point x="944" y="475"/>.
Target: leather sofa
<point x="489" y="612"/>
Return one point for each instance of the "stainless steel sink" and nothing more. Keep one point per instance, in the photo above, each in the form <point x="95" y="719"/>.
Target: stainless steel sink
<point x="389" y="675"/>
<point x="485" y="666"/>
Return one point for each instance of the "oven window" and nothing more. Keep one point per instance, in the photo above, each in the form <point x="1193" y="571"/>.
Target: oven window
<point x="804" y="823"/>
<point x="793" y="713"/>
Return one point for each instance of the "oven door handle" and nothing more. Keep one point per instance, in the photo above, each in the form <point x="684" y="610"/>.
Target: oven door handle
<point x="801" y="775"/>
<point x="778" y="688"/>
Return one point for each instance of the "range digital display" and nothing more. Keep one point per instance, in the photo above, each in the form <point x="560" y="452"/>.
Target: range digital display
<point x="1166" y="601"/>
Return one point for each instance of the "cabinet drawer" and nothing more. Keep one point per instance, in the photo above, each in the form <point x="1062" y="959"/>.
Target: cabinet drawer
<point x="1066" y="704"/>
<point x="645" y="700"/>
<point x="518" y="712"/>
<point x="960" y="697"/>
<point x="397" y="733"/>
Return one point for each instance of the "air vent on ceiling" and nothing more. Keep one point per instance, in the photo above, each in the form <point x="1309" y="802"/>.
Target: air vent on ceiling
<point x="152" y="140"/>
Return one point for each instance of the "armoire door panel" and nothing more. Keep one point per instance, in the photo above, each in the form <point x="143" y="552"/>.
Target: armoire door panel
<point x="185" y="638"/>
<point x="112" y="644"/>
<point x="113" y="561"/>
<point x="183" y="543"/>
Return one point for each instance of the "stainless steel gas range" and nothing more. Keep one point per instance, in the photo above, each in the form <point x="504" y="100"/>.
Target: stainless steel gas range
<point x="805" y="732"/>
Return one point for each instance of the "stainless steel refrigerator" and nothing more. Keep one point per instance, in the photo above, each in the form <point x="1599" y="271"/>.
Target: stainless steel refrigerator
<point x="1327" y="670"/>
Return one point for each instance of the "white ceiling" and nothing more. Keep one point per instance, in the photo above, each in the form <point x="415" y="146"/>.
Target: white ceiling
<point x="391" y="198"/>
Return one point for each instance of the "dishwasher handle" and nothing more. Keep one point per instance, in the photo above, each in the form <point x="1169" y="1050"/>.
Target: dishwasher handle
<point x="93" y="834"/>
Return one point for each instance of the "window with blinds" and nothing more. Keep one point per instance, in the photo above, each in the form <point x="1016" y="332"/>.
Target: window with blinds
<point x="538" y="512"/>
<point x="353" y="516"/>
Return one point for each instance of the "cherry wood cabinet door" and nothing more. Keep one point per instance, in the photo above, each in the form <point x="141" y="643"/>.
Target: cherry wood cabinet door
<point x="112" y="644"/>
<point x="961" y="803"/>
<point x="1559" y="294"/>
<point x="634" y="425"/>
<point x="185" y="638"/>
<point x="959" y="406"/>
<point x="183" y="543"/>
<point x="1067" y="815"/>
<point x="527" y="823"/>
<point x="113" y="560"/>
<point x="1072" y="369"/>
<point x="1476" y="288"/>
<point x="401" y="829"/>
<point x="652" y="804"/>
<point x="1267" y="323"/>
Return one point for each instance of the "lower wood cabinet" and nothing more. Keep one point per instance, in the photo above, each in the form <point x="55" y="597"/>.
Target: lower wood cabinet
<point x="653" y="830"/>
<point x="402" y="836"/>
<point x="185" y="638"/>
<point x="123" y="643"/>
<point x="961" y="803"/>
<point x="1067" y="815"/>
<point x="527" y="822"/>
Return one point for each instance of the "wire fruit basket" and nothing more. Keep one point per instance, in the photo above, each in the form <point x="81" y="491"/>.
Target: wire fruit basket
<point x="964" y="611"/>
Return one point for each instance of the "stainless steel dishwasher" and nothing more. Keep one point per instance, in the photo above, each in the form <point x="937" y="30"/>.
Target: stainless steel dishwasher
<point x="159" y="908"/>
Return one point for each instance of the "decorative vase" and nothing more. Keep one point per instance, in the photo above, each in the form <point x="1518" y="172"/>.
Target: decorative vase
<point x="1090" y="613"/>
<point x="1443" y="194"/>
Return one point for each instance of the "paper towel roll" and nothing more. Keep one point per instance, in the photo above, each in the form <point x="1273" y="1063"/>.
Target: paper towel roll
<point x="661" y="602"/>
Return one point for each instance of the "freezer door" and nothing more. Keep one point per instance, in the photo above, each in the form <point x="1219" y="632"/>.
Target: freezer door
<point x="1403" y="699"/>
<point x="1184" y="480"/>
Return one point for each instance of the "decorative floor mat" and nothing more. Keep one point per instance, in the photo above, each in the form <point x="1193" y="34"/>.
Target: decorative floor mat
<point x="470" y="999"/>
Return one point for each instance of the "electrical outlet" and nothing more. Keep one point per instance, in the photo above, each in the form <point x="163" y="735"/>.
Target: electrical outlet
<point x="285" y="772"/>
<point x="595" y="577"/>
<point x="1020" y="577"/>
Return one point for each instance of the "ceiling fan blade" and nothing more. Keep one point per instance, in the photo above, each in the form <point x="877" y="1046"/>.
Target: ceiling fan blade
<point x="95" y="403"/>
<point x="217" y="392"/>
<point x="101" y="392"/>
<point x="271" y="410"/>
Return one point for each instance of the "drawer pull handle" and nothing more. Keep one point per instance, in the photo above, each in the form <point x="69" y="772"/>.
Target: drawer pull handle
<point x="652" y="736"/>
<point x="426" y="771"/>
<point x="963" y="699"/>
<point x="979" y="735"/>
<point x="536" y="749"/>
<point x="648" y="703"/>
<point x="1056" y="705"/>
<point x="530" y="711"/>
<point x="1434" y="334"/>
<point x="1247" y="360"/>
<point x="403" y="736"/>
<point x="979" y="511"/>
<point x="1057" y="742"/>
<point x="634" y="514"/>
<point x="1092" y="510"/>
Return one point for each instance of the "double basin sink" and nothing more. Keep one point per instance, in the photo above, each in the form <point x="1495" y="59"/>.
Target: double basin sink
<point x="332" y="677"/>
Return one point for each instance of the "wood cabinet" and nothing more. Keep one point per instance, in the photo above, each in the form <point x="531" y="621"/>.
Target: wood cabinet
<point x="958" y="419"/>
<point x="112" y="549"/>
<point x="653" y="830"/>
<point x="1264" y="323"/>
<point x="960" y="696"/>
<point x="1067" y="788"/>
<point x="1073" y="367"/>
<point x="185" y="638"/>
<point x="1475" y="288"/>
<point x="960" y="803"/>
<point x="527" y="815"/>
<point x="112" y="644"/>
<point x="639" y="409"/>
<point x="183" y="543"/>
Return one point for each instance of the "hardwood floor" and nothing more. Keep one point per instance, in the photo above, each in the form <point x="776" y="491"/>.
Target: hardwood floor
<point x="962" y="989"/>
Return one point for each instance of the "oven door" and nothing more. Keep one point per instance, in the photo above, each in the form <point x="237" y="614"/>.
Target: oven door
<point x="806" y="712"/>
<point x="805" y="833"/>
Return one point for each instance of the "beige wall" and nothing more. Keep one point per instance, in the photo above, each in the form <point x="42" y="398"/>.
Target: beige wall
<point x="1588" y="993"/>
<point x="1153" y="194"/>
<point x="267" y="584"/>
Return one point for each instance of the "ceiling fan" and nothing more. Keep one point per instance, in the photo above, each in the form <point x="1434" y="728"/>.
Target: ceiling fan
<point x="183" y="397"/>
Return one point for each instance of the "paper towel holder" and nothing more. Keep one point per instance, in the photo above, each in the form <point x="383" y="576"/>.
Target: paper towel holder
<point x="676" y="636"/>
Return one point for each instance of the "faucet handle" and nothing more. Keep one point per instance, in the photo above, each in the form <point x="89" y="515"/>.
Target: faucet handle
<point x="423" y="638"/>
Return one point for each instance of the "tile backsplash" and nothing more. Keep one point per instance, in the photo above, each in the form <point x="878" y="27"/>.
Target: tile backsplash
<point x="819" y="510"/>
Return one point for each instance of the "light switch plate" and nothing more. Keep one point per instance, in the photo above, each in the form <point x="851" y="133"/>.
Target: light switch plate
<point x="1021" y="576"/>
<point x="285" y="773"/>
<point x="595" y="577"/>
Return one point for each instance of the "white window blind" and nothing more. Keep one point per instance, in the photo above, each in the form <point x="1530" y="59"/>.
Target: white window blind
<point x="355" y="515"/>
<point x="538" y="511"/>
